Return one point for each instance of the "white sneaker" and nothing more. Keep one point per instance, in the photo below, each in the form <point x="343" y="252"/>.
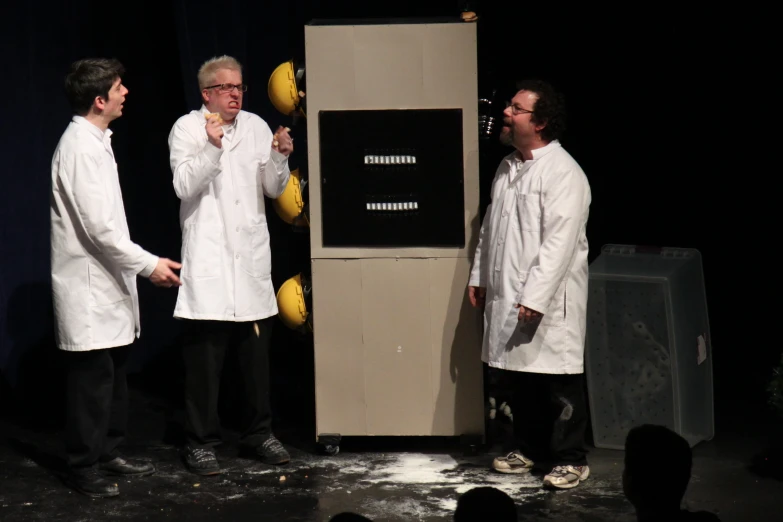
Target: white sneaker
<point x="566" y="477"/>
<point x="514" y="462"/>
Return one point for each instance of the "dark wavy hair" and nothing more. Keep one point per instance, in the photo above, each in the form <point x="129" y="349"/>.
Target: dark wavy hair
<point x="89" y="78"/>
<point x="549" y="108"/>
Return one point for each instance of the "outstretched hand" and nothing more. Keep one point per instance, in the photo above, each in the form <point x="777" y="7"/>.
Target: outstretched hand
<point x="164" y="275"/>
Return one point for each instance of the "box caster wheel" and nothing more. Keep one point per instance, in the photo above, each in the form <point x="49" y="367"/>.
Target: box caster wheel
<point x="329" y="443"/>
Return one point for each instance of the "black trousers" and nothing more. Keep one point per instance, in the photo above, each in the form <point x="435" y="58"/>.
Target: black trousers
<point x="550" y="417"/>
<point x="97" y="399"/>
<point x="204" y="351"/>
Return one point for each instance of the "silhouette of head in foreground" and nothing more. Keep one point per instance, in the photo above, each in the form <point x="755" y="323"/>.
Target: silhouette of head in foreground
<point x="484" y="504"/>
<point x="657" y="470"/>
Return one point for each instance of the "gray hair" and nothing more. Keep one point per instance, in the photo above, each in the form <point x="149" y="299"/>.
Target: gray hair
<point x="209" y="69"/>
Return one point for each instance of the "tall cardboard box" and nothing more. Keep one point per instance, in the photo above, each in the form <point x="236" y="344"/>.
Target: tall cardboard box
<point x="392" y="114"/>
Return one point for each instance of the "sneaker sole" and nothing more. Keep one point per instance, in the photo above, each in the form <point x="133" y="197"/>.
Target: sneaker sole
<point x="512" y="471"/>
<point x="570" y="485"/>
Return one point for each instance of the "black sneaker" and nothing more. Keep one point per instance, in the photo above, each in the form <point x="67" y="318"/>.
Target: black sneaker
<point x="89" y="482"/>
<point x="201" y="461"/>
<point x="272" y="451"/>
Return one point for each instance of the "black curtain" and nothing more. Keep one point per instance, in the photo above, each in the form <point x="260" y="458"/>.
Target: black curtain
<point x="629" y="82"/>
<point x="41" y="41"/>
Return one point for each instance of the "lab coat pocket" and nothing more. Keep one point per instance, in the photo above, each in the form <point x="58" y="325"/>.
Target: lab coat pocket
<point x="257" y="259"/>
<point x="202" y="251"/>
<point x="528" y="212"/>
<point x="105" y="288"/>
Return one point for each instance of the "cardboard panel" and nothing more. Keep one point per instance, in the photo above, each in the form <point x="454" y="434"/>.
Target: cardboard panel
<point x="449" y="65"/>
<point x="392" y="66"/>
<point x="395" y="295"/>
<point x="330" y="84"/>
<point x="330" y="69"/>
<point x="389" y="66"/>
<point x="339" y="352"/>
<point x="456" y="351"/>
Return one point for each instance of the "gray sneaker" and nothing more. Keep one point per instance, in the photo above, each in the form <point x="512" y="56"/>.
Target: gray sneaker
<point x="514" y="462"/>
<point x="566" y="477"/>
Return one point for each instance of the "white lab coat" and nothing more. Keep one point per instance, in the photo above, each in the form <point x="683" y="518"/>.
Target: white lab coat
<point x="226" y="257"/>
<point x="533" y="251"/>
<point x="94" y="262"/>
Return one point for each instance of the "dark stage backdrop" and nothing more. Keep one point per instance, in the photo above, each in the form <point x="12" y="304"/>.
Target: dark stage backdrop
<point x="629" y="91"/>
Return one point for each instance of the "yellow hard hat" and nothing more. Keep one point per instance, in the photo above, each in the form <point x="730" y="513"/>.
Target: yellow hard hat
<point x="290" y="204"/>
<point x="291" y="306"/>
<point x="282" y="89"/>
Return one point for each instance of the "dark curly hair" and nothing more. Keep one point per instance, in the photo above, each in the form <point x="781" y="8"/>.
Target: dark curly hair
<point x="89" y="78"/>
<point x="549" y="108"/>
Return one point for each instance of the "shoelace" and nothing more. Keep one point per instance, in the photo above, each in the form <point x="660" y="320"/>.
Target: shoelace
<point x="203" y="455"/>
<point x="272" y="444"/>
<point x="563" y="470"/>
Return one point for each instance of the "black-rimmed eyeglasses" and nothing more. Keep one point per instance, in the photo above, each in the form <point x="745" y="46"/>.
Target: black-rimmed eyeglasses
<point x="228" y="87"/>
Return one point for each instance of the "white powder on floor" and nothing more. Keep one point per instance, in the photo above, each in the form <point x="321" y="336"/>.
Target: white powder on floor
<point x="440" y="476"/>
<point x="353" y="469"/>
<point x="406" y="509"/>
<point x="448" y="505"/>
<point x="407" y="468"/>
<point x="260" y="471"/>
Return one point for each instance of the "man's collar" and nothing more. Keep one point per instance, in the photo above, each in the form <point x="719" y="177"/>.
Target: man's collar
<point x="91" y="127"/>
<point x="546" y="149"/>
<point x="539" y="152"/>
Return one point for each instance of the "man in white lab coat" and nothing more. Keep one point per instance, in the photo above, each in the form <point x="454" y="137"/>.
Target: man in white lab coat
<point x="224" y="160"/>
<point x="530" y="276"/>
<point x="94" y="269"/>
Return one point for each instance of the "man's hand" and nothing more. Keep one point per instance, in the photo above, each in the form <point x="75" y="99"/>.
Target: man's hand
<point x="282" y="142"/>
<point x="527" y="314"/>
<point x="215" y="131"/>
<point x="163" y="274"/>
<point x="477" y="295"/>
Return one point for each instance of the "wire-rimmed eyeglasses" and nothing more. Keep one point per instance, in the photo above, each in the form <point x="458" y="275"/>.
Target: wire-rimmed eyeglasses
<point x="517" y="110"/>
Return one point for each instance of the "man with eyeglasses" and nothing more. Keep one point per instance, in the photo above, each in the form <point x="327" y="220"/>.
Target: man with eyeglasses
<point x="530" y="276"/>
<point x="224" y="161"/>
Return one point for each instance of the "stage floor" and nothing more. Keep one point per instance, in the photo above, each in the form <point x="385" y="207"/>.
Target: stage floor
<point x="405" y="480"/>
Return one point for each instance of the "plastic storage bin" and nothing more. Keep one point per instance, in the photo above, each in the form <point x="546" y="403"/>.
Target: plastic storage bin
<point x="648" y="357"/>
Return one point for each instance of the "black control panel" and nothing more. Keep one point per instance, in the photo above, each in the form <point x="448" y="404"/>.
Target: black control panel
<point x="392" y="178"/>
